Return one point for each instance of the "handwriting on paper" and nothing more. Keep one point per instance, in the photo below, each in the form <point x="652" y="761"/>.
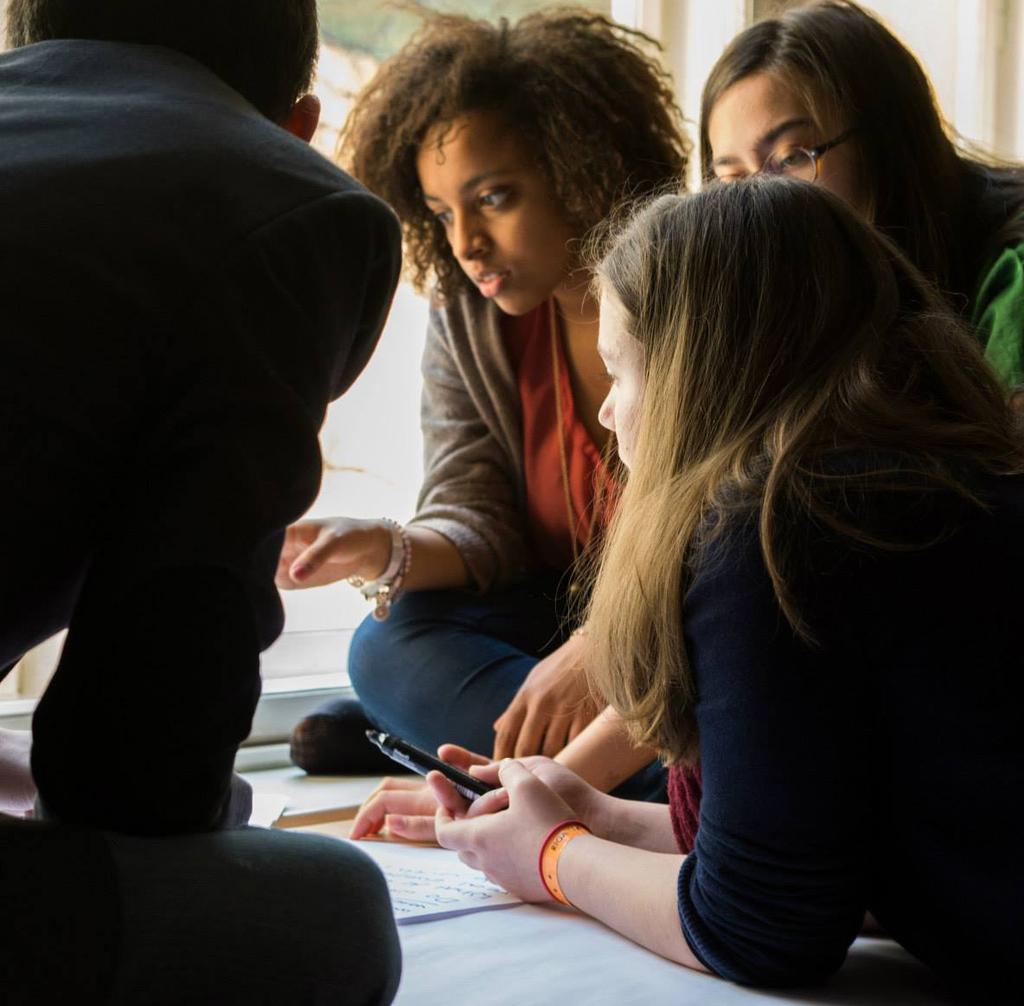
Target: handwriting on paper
<point x="432" y="883"/>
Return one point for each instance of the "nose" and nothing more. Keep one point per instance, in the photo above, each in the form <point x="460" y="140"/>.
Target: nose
<point x="606" y="414"/>
<point x="468" y="237"/>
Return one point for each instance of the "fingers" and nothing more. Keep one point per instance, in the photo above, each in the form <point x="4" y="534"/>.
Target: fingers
<point x="507" y="728"/>
<point x="513" y="775"/>
<point x="556" y="736"/>
<point x="446" y="796"/>
<point x="461" y="757"/>
<point x="309" y="562"/>
<point x="458" y="835"/>
<point x="489" y="803"/>
<point x="531" y="734"/>
<point x="419" y="828"/>
<point x="486" y="773"/>
<point x="297" y="538"/>
<point x="403" y="802"/>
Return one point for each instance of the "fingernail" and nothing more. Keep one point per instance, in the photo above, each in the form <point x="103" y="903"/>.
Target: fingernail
<point x="300" y="572"/>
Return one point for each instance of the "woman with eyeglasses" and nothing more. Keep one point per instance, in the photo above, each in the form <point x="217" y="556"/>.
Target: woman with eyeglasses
<point x="825" y="93"/>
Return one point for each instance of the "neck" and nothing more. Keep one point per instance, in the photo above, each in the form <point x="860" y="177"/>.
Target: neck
<point x="576" y="304"/>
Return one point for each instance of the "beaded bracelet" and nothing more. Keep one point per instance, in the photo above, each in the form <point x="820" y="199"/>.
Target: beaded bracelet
<point x="550" y="852"/>
<point x="387" y="588"/>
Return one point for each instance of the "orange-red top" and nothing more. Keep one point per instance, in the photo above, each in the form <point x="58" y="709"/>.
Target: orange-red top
<point x="528" y="341"/>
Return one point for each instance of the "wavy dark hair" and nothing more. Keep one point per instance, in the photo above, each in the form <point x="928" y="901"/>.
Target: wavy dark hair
<point x="949" y="210"/>
<point x="265" y="49"/>
<point x="589" y="96"/>
<point x="806" y="374"/>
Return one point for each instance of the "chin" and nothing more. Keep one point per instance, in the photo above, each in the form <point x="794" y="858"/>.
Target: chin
<point x="517" y="304"/>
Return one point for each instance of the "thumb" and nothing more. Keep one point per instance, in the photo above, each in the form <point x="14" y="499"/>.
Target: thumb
<point x="513" y="775"/>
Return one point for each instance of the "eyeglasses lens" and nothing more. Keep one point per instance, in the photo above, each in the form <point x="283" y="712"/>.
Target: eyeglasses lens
<point x="793" y="163"/>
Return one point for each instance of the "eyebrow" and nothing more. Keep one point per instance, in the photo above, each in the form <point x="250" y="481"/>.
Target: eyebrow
<point x="767" y="140"/>
<point x="471" y="183"/>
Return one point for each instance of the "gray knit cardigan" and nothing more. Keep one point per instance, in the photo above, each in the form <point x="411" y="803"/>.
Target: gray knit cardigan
<point x="473" y="487"/>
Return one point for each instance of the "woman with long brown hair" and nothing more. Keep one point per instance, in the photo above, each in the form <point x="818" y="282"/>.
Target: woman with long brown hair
<point x="820" y="461"/>
<point x="499" y="147"/>
<point x="826" y="93"/>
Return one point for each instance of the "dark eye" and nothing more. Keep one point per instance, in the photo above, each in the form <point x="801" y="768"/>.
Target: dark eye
<point x="494" y="198"/>
<point x="790" y="161"/>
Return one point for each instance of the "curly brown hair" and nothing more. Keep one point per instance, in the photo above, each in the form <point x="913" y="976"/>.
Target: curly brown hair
<point x="588" y="96"/>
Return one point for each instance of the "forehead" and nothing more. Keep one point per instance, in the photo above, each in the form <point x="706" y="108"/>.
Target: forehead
<point x="470" y="145"/>
<point x="749" y="110"/>
<point x="613" y="340"/>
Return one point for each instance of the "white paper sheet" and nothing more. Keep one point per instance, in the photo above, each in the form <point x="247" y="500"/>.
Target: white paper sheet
<point x="427" y="884"/>
<point x="266" y="809"/>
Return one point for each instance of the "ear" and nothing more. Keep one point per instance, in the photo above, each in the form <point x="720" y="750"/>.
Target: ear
<point x="304" y="117"/>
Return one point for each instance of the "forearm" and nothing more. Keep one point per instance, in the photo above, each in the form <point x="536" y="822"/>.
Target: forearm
<point x="156" y="684"/>
<point x="436" y="563"/>
<point x="635" y="823"/>
<point x="603" y="754"/>
<point x="633" y="891"/>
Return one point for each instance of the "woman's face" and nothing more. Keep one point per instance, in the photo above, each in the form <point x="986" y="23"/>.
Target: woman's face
<point x="624" y="360"/>
<point x="504" y="225"/>
<point x="758" y="116"/>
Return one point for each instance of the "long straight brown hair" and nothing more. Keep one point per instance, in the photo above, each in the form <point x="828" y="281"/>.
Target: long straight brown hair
<point x="949" y="211"/>
<point x="781" y="334"/>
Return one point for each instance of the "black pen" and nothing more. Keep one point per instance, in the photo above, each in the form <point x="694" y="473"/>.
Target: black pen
<point x="421" y="762"/>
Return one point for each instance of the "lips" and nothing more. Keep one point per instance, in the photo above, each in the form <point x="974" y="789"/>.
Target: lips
<point x="490" y="281"/>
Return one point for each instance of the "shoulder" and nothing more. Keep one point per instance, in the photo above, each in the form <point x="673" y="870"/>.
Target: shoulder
<point x="153" y="132"/>
<point x="468" y="324"/>
<point x="904" y="536"/>
<point x="1004" y="272"/>
<point x="997" y="313"/>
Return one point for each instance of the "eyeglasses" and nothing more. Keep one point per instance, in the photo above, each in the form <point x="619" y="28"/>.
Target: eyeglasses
<point x="801" y="162"/>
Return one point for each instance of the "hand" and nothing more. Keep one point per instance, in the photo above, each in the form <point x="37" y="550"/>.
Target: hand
<point x="316" y="552"/>
<point x="406" y="807"/>
<point x="552" y="706"/>
<point x="504" y="846"/>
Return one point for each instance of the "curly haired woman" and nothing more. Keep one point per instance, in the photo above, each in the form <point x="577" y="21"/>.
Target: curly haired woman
<point x="500" y="148"/>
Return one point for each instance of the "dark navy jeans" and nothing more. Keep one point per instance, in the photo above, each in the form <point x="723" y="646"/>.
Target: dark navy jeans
<point x="446" y="664"/>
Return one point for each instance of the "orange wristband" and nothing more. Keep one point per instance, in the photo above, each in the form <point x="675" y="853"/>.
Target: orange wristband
<point x="550" y="851"/>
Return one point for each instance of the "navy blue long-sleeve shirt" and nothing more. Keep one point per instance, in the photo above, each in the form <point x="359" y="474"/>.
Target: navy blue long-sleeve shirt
<point x="881" y="769"/>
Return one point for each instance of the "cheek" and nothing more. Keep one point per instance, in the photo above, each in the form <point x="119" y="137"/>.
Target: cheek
<point x="629" y="411"/>
<point x="841" y="177"/>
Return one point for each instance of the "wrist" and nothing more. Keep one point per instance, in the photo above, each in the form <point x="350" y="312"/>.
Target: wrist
<point x="600" y="816"/>
<point x="379" y="550"/>
<point x="554" y="845"/>
<point x="387" y="586"/>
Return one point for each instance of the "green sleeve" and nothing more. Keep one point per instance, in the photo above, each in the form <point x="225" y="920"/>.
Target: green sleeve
<point x="998" y="315"/>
